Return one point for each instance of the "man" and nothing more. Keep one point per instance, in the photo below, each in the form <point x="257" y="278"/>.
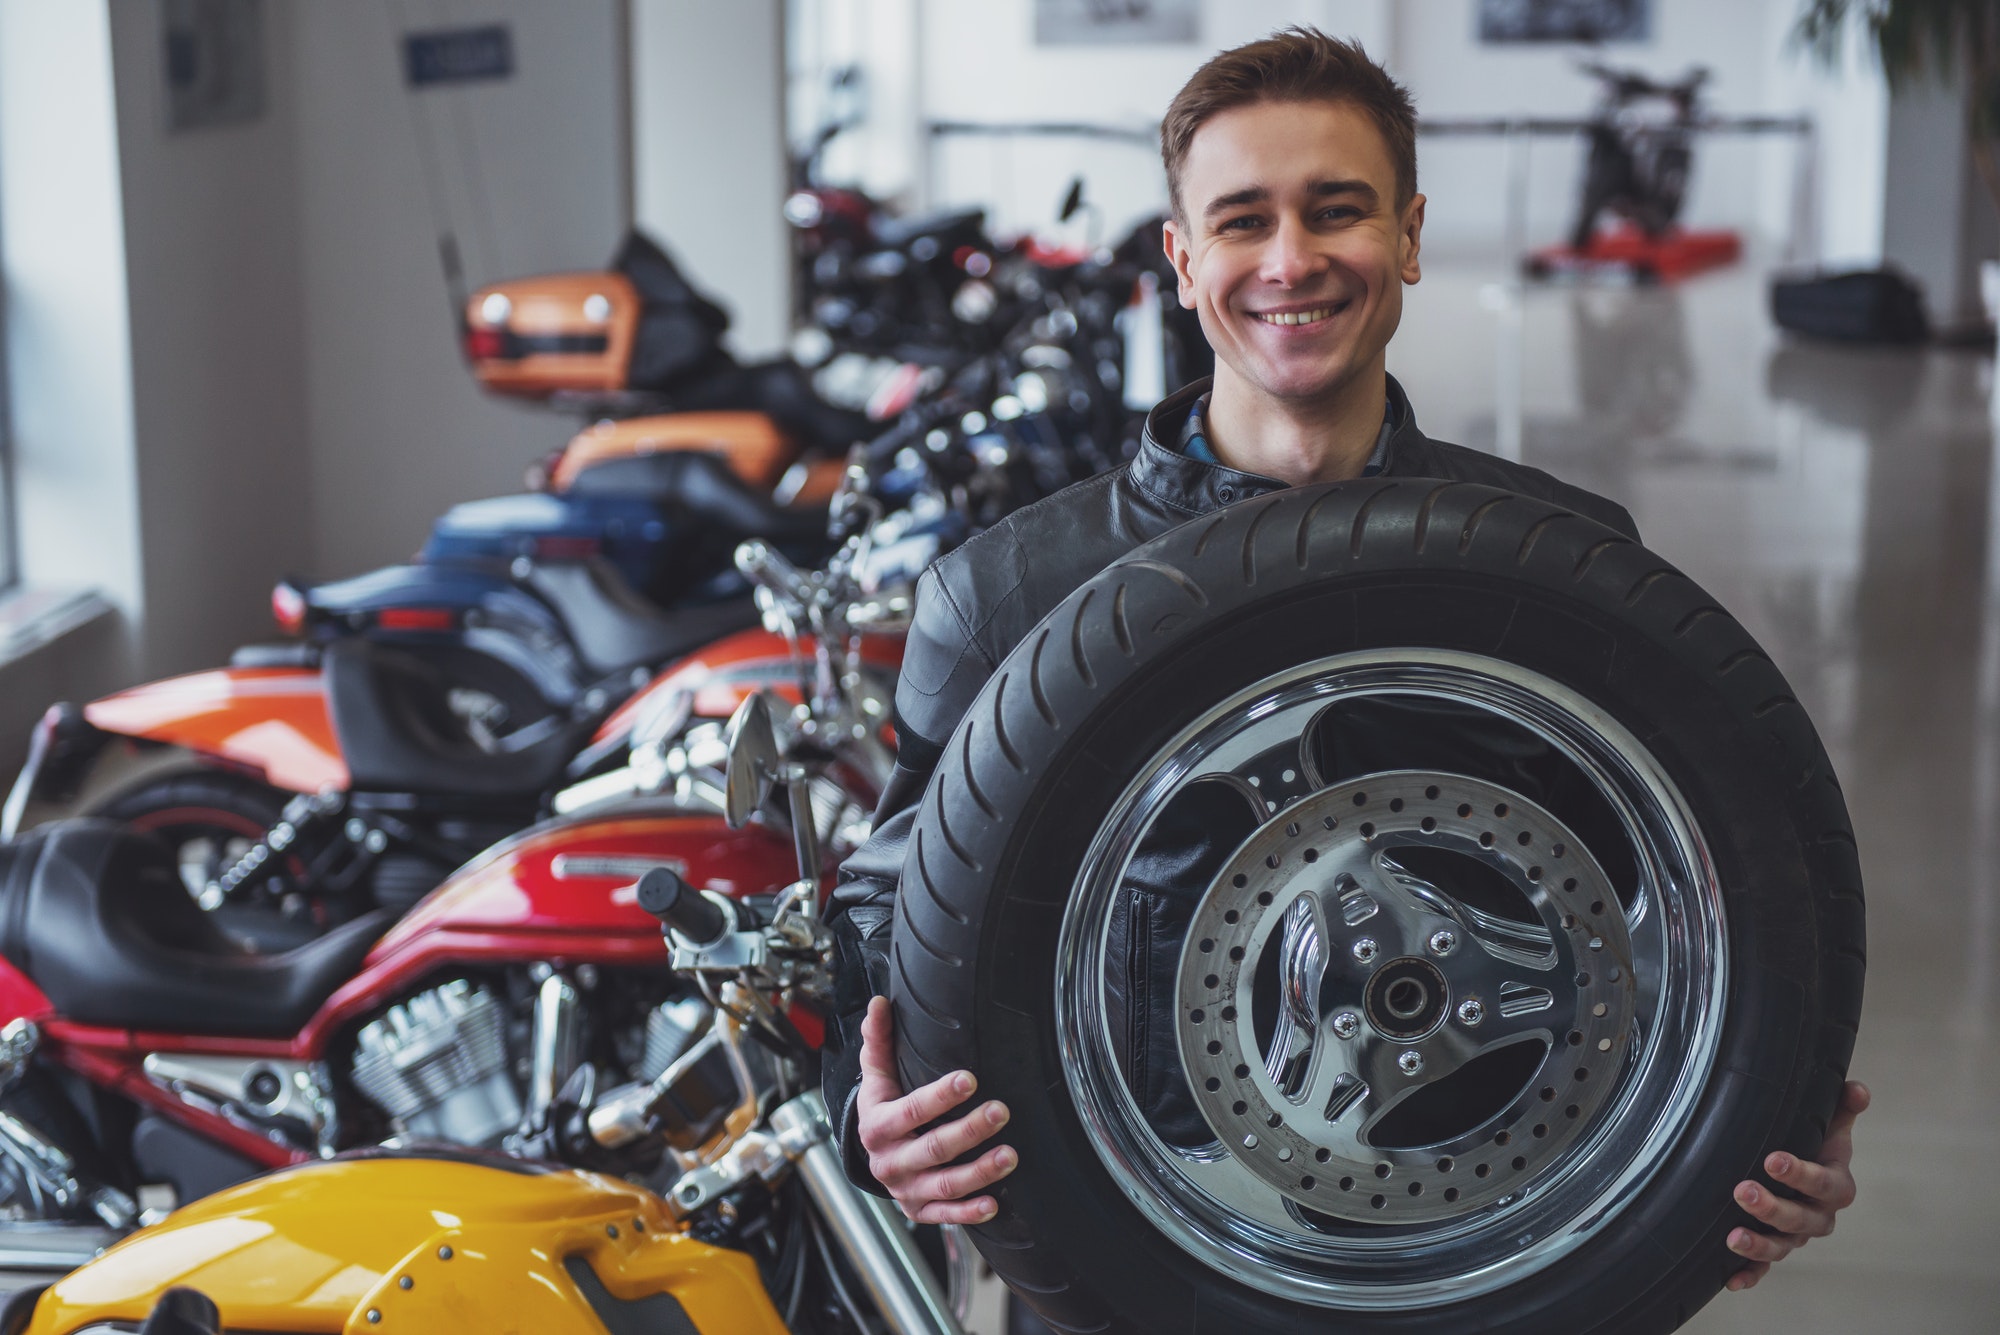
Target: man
<point x="1291" y="167"/>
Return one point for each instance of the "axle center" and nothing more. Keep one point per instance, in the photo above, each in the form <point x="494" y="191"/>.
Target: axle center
<point x="1406" y="998"/>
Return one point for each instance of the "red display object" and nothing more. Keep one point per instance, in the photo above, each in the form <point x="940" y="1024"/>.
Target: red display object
<point x="1627" y="252"/>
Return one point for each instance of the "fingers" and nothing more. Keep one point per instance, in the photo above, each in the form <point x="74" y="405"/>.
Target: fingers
<point x="1767" y="1248"/>
<point x="1829" y="1185"/>
<point x="975" y="1211"/>
<point x="1795" y="1217"/>
<point x="958" y="1183"/>
<point x="1747" y="1277"/>
<point x="902" y="1158"/>
<point x="1838" y="1147"/>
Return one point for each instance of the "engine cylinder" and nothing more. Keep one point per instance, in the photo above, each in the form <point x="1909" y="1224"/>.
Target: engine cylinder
<point x="437" y="1064"/>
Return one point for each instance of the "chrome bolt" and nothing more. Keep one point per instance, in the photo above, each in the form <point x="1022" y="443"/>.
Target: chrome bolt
<point x="1365" y="949"/>
<point x="374" y="1317"/>
<point x="1410" y="1063"/>
<point x="1346" y="1025"/>
<point x="1443" y="941"/>
<point x="406" y="1283"/>
<point x="1471" y="1011"/>
<point x="444" y="1253"/>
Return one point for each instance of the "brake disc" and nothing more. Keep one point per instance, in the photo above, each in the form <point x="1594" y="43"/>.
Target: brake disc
<point x="1389" y="985"/>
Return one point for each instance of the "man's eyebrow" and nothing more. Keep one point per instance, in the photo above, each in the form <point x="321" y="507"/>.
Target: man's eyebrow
<point x="1257" y="194"/>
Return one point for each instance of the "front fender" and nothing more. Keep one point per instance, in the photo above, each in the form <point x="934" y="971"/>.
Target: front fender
<point x="419" y="1240"/>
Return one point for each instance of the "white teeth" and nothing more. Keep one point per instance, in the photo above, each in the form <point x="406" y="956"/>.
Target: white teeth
<point x="1299" y="317"/>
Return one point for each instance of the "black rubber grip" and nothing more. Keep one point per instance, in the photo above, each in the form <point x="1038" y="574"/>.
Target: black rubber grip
<point x="680" y="906"/>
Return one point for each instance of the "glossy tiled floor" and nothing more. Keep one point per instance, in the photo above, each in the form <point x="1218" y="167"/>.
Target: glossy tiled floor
<point x="1843" y="504"/>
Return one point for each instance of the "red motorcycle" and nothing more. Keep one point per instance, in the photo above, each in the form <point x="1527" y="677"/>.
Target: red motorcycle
<point x="527" y="1003"/>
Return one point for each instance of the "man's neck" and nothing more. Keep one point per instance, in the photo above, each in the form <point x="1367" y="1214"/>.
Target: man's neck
<point x="1323" y="440"/>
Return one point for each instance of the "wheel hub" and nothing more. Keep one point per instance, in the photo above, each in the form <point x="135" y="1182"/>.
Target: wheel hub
<point x="1389" y="986"/>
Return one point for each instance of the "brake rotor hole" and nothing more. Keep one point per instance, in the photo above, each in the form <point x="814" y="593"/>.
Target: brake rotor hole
<point x="1427" y="824"/>
<point x="1416" y="1188"/>
<point x="1272" y="861"/>
<point x="1274" y="1121"/>
<point x="1292" y="829"/>
<point x="1570" y="1111"/>
<point x="1311" y="855"/>
<point x="1481" y="1171"/>
<point x="1378" y="1201"/>
<point x="1241" y="1072"/>
<point x="1557" y="851"/>
<point x="1520" y="1162"/>
<point x="1207" y="944"/>
<point x="1431" y="792"/>
<point x="1367" y="830"/>
<point x="1445" y="1164"/>
<point x="1548" y="1094"/>
<point x="1582" y="1073"/>
<point x="1236" y="952"/>
<point x="1464" y="809"/>
<point x="1239" y="880"/>
<point x="1382" y="1170"/>
<point x="1540" y="1130"/>
<point x="1305" y="1184"/>
<point x="1264" y="898"/>
<point x="1486" y="839"/>
<point x="1322" y="1155"/>
<point x="1239" y="1107"/>
<point x="1597" y="906"/>
<point x="1502" y="1137"/>
<point x="1395" y="804"/>
<point x="1347" y="1184"/>
<point x="1229" y="1014"/>
<point x="1361" y="799"/>
<point x="1212" y="1084"/>
<point x="1232" y="917"/>
<point x="1451" y="1193"/>
<point x="1210" y="981"/>
<point x="1576" y="1038"/>
<point x="1214" y="1048"/>
<point x="1197" y="1016"/>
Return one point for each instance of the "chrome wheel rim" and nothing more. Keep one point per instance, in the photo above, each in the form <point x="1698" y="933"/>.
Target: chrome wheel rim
<point x="1630" y="995"/>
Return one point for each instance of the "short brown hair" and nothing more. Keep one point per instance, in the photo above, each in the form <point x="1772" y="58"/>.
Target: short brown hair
<point x="1296" y="64"/>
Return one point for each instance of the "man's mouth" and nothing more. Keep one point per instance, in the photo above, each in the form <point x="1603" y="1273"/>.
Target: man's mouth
<point x="1314" y="316"/>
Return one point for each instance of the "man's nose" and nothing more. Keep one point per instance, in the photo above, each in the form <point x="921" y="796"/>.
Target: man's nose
<point x="1290" y="257"/>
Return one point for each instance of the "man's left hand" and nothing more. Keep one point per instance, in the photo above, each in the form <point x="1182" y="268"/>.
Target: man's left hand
<point x="1824" y="1190"/>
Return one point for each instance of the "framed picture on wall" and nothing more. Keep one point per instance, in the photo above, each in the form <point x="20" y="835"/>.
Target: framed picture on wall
<point x="1565" y="20"/>
<point x="1106" y="22"/>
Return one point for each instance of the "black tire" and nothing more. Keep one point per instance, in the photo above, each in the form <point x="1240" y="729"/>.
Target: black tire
<point x="1222" y="603"/>
<point x="209" y="819"/>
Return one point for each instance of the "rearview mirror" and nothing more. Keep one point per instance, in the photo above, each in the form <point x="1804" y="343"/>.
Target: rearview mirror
<point x="753" y="761"/>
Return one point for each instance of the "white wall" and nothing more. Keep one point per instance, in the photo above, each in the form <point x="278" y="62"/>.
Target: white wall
<point x="976" y="60"/>
<point x="708" y="149"/>
<point x="218" y="378"/>
<point x="531" y="178"/>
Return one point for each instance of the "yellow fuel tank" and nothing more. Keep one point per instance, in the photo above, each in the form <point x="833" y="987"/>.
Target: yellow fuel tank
<point x="425" y="1243"/>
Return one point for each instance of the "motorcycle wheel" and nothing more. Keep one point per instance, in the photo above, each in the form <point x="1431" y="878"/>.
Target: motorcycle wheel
<point x="1665" y="945"/>
<point x="211" y="820"/>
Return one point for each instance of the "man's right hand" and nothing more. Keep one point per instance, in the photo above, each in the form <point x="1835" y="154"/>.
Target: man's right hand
<point x="910" y="1161"/>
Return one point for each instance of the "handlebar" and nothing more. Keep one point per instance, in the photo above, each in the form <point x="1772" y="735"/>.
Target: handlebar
<point x="766" y="566"/>
<point x="698" y="919"/>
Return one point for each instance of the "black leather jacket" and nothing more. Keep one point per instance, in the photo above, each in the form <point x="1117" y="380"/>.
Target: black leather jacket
<point x="979" y="601"/>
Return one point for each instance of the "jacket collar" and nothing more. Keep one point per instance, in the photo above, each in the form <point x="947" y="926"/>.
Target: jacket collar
<point x="1162" y="471"/>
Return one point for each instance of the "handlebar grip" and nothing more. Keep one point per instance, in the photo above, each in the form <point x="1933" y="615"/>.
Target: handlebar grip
<point x="699" y="919"/>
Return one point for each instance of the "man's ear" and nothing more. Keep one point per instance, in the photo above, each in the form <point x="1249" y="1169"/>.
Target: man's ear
<point x="1181" y="255"/>
<point x="1413" y="239"/>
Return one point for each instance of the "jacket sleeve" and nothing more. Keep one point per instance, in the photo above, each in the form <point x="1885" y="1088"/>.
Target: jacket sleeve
<point x="943" y="668"/>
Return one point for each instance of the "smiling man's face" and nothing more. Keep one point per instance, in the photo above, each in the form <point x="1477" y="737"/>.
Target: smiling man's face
<point x="1293" y="251"/>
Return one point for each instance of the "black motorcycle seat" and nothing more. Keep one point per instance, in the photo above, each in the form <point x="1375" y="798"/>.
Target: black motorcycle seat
<point x="391" y="712"/>
<point x="615" y="630"/>
<point x="99" y="918"/>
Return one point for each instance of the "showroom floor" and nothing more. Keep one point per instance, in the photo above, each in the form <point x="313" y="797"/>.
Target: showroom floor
<point x="1843" y="505"/>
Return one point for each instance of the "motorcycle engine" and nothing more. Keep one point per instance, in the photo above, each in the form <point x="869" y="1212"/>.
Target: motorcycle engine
<point x="437" y="1064"/>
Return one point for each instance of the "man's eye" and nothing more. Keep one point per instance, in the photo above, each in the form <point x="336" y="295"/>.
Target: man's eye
<point x="1340" y="213"/>
<point x="1241" y="224"/>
